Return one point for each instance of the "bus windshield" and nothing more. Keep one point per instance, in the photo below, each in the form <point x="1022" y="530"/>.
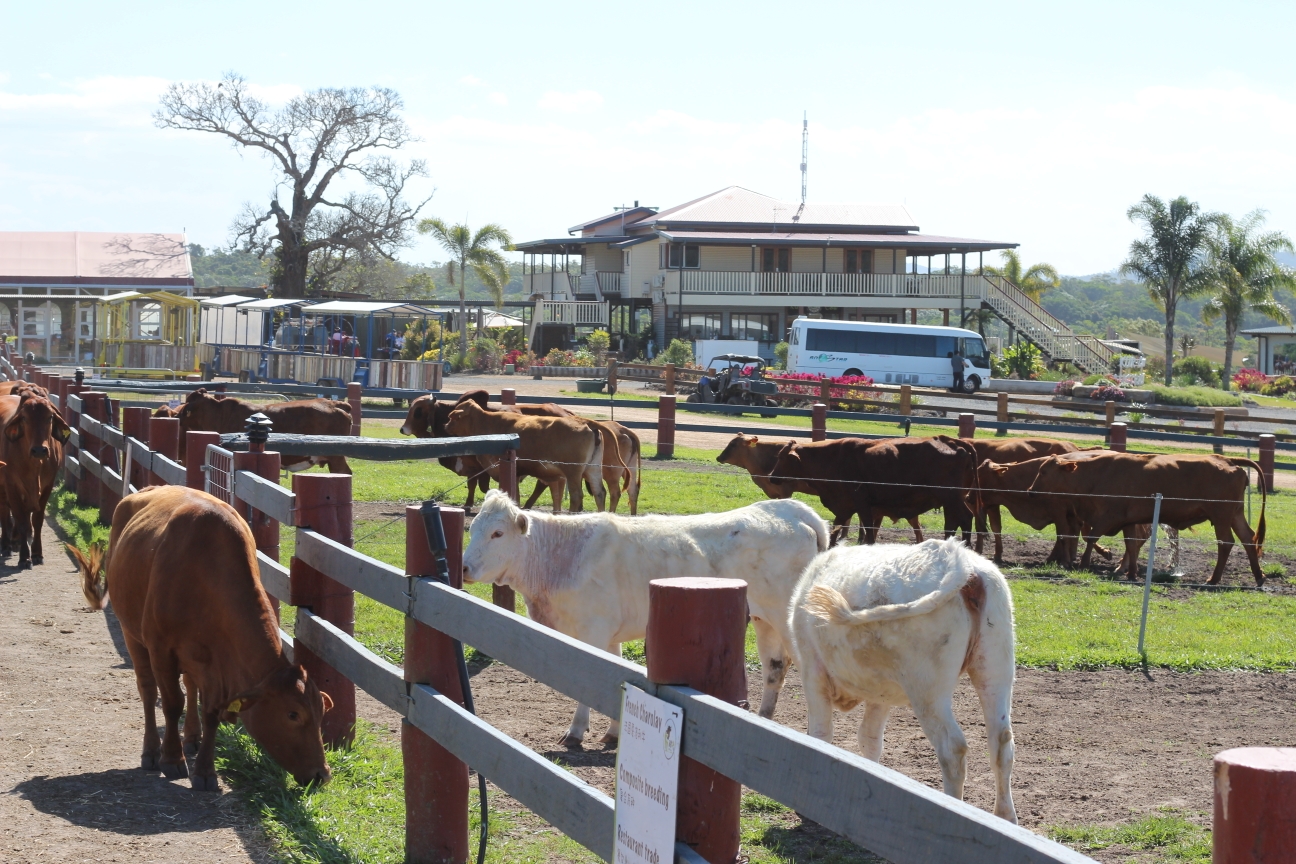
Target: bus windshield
<point x="974" y="350"/>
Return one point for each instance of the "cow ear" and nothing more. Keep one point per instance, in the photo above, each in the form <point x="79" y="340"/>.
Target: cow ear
<point x="523" y="523"/>
<point x="1069" y="466"/>
<point x="999" y="469"/>
<point x="14" y="430"/>
<point x="61" y="430"/>
<point x="242" y="702"/>
<point x="751" y="442"/>
<point x="327" y="700"/>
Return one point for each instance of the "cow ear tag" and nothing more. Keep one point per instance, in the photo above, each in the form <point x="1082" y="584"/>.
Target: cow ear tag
<point x="235" y="707"/>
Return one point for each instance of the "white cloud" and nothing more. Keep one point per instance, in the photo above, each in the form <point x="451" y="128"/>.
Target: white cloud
<point x="471" y="81"/>
<point x="570" y="103"/>
<point x="498" y="98"/>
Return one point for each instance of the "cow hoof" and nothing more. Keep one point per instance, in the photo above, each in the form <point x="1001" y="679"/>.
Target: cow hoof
<point x="204" y="783"/>
<point x="38" y="560"/>
<point x="570" y="741"/>
<point x="609" y="740"/>
<point x="149" y="763"/>
<point x="24" y="564"/>
<point x="174" y="770"/>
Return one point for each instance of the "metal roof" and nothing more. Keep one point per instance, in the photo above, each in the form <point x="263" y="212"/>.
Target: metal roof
<point x="273" y="303"/>
<point x="224" y="300"/>
<point x="738" y="206"/>
<point x="366" y="307"/>
<point x="81" y="257"/>
<point x="562" y="245"/>
<point x="630" y="214"/>
<point x="1277" y="330"/>
<point x="927" y="243"/>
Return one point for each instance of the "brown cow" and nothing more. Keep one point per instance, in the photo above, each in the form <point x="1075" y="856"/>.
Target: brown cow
<point x="1006" y="451"/>
<point x="899" y="477"/>
<point x="205" y="412"/>
<point x="185" y="586"/>
<point x="1102" y="494"/>
<point x="757" y="457"/>
<point x="557" y="451"/>
<point x="32" y="449"/>
<point x="166" y="411"/>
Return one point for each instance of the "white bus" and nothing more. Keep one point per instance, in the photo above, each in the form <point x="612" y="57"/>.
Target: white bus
<point x="887" y="353"/>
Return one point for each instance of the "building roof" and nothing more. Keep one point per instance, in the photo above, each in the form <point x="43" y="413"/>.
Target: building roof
<point x="929" y="244"/>
<point x="738" y="206"/>
<point x="628" y="215"/>
<point x="366" y="307"/>
<point x="94" y="258"/>
<point x="224" y="300"/>
<point x="1276" y="330"/>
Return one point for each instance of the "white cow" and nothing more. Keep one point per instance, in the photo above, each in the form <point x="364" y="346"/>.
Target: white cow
<point x="587" y="575"/>
<point x="886" y="625"/>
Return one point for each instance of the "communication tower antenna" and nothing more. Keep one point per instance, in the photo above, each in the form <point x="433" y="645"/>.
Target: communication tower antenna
<point x="805" y="158"/>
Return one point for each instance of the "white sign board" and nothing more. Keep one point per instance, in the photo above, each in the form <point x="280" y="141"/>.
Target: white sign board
<point x="647" y="778"/>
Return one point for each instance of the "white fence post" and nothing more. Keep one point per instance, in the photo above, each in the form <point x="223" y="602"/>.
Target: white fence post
<point x="1147" y="581"/>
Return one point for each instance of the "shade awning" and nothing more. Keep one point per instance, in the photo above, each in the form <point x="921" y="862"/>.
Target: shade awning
<point x="498" y="319"/>
<point x="366" y="307"/>
<point x="224" y="300"/>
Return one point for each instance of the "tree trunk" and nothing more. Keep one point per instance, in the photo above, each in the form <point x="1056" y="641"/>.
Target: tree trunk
<point x="1230" y="336"/>
<point x="294" y="260"/>
<point x="1169" y="345"/>
<point x="463" y="307"/>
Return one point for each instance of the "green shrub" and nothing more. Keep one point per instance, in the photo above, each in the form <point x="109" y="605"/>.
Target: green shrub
<point x="1091" y="380"/>
<point x="780" y="353"/>
<point x="484" y="355"/>
<point x="598" y="341"/>
<point x="678" y="352"/>
<point x="1024" y="360"/>
<point x="1279" y="386"/>
<point x="1193" y="396"/>
<point x="1197" y="370"/>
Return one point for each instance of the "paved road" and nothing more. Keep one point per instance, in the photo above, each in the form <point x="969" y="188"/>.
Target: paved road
<point x="70" y="737"/>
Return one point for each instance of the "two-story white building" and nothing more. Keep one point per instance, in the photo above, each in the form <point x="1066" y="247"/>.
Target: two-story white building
<point x="736" y="264"/>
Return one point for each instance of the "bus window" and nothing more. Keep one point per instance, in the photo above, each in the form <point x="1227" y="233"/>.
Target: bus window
<point x="974" y="350"/>
<point x="796" y="336"/>
<point x="945" y="346"/>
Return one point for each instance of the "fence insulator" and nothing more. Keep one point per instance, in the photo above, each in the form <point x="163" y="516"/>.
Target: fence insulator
<point x="354" y="392"/>
<point x="695" y="638"/>
<point x="195" y="457"/>
<point x="1267" y="460"/>
<point x="436" y="783"/>
<point x="508" y="396"/>
<point x="966" y="425"/>
<point x="1255" y="803"/>
<point x="324" y="505"/>
<point x="818" y="422"/>
<point x="1117" y="434"/>
<point x="666" y="426"/>
<point x="164" y="438"/>
<point x="135" y="424"/>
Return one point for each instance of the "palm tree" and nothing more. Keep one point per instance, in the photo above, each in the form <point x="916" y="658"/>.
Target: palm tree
<point x="1244" y="271"/>
<point x="980" y="318"/>
<point x="1037" y="279"/>
<point x="1170" y="259"/>
<point x="475" y="250"/>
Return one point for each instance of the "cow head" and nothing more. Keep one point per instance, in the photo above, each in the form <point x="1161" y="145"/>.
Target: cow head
<point x="165" y="411"/>
<point x="212" y="412"/>
<point x="38" y="425"/>
<point x="787" y="465"/>
<point x="481" y="397"/>
<point x="462" y="417"/>
<point x="1051" y="470"/>
<point x="418" y="422"/>
<point x="497" y="539"/>
<point x="283" y="713"/>
<point x="736" y="451"/>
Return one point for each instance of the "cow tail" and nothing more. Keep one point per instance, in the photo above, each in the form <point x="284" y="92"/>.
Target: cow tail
<point x="92" y="564"/>
<point x="968" y="449"/>
<point x="1264" y="496"/>
<point x="610" y="438"/>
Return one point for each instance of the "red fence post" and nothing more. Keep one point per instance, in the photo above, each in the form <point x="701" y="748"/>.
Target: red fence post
<point x="1267" y="460"/>
<point x="324" y="505"/>
<point x="1255" y="806"/>
<point x="666" y="427"/>
<point x="164" y="438"/>
<point x="967" y="425"/>
<point x="1117" y="434"/>
<point x="135" y="423"/>
<point x="502" y="595"/>
<point x="508" y="396"/>
<point x="73" y="419"/>
<point x="196" y="457"/>
<point x="436" y="783"/>
<point x="354" y="392"/>
<point x="818" y="422"/>
<point x="825" y="394"/>
<point x="93" y="404"/>
<point x="695" y="638"/>
<point x="265" y="531"/>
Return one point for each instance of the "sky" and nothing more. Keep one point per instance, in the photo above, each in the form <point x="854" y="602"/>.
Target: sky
<point x="1035" y="123"/>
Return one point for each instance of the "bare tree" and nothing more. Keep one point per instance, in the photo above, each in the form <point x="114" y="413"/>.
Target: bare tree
<point x="315" y="139"/>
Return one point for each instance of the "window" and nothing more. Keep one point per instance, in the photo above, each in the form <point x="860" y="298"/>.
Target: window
<point x="694" y="326"/>
<point x="975" y="350"/>
<point x="756" y="327"/>
<point x="896" y="344"/>
<point x="87" y="324"/>
<point x="150" y="321"/>
<point x="859" y="261"/>
<point x="675" y="255"/>
<point x="776" y="260"/>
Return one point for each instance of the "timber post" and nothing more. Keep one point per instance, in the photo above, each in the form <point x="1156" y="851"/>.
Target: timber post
<point x="196" y="457"/>
<point x="966" y="425"/>
<point x="1117" y="435"/>
<point x="1218" y="430"/>
<point x="670" y="379"/>
<point x="354" y="392"/>
<point x="324" y="506"/>
<point x="1001" y="407"/>
<point x="906" y="399"/>
<point x="135" y="424"/>
<point x="1266" y="459"/>
<point x="1255" y="806"/>
<point x="666" y="426"/>
<point x="164" y="438"/>
<point x="508" y="396"/>
<point x="695" y="638"/>
<point x="818" y="422"/>
<point x="436" y="783"/>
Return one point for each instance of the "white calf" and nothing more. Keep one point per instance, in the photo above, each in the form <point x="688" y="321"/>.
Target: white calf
<point x="587" y="575"/>
<point x="926" y="614"/>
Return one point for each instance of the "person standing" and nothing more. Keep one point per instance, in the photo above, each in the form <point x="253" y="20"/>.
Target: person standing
<point x="956" y="366"/>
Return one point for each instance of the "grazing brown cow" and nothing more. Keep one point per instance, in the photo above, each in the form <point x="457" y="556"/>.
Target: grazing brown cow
<point x="757" y="457"/>
<point x="1109" y="491"/>
<point x="1006" y="451"/>
<point x="205" y="412"/>
<point x="12" y="388"/>
<point x="185" y="586"/>
<point x="32" y="449"/>
<point x="897" y="477"/>
<point x="557" y="451"/>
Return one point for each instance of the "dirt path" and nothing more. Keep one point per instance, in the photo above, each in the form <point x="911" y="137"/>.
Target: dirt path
<point x="70" y="732"/>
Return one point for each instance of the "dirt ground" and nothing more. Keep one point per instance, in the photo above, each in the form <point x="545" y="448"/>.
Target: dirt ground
<point x="70" y="739"/>
<point x="1092" y="747"/>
